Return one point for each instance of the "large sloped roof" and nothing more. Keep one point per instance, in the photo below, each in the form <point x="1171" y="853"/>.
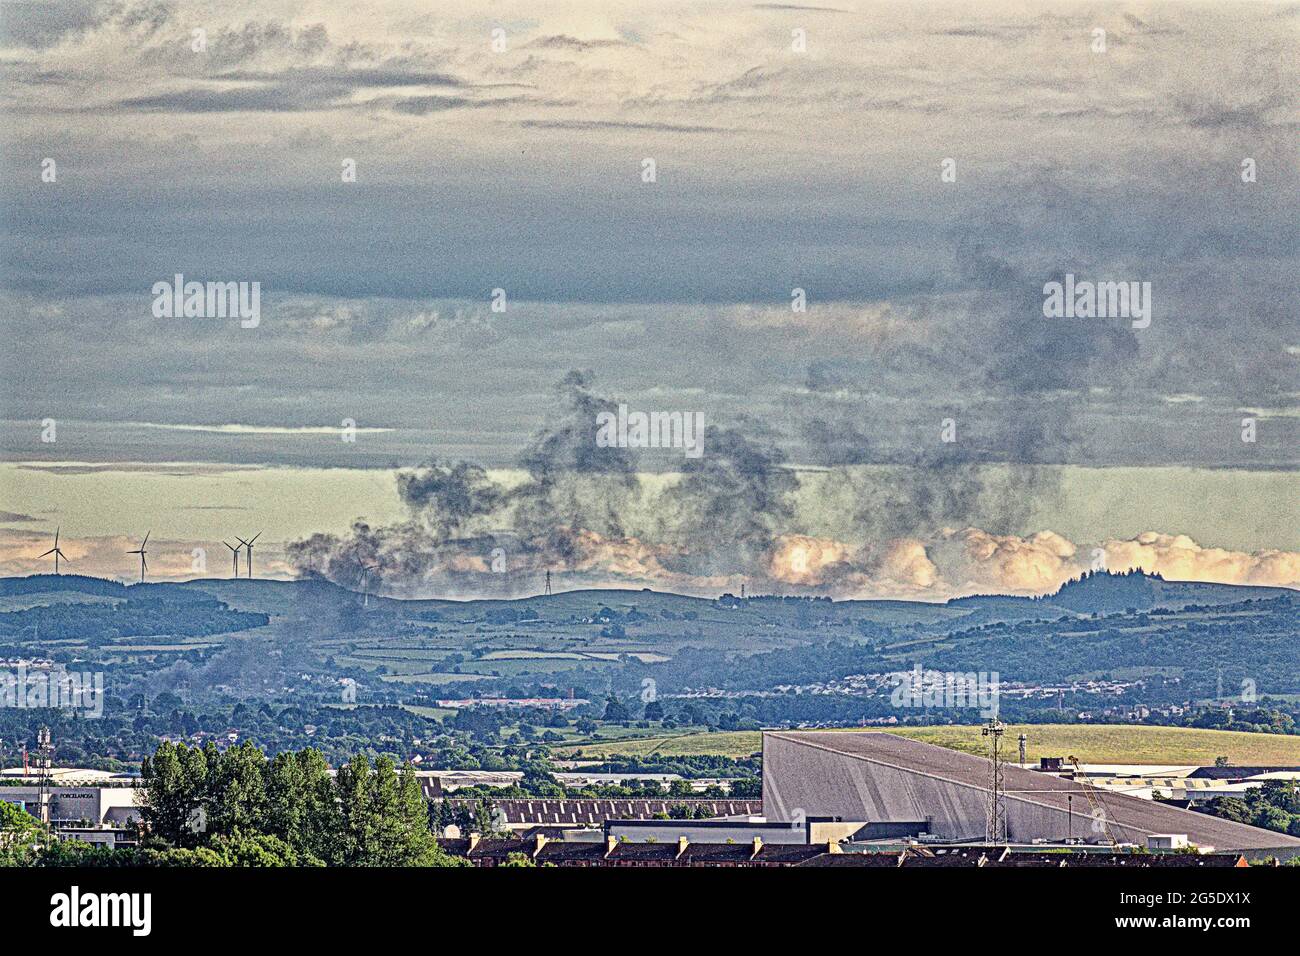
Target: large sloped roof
<point x="1040" y="788"/>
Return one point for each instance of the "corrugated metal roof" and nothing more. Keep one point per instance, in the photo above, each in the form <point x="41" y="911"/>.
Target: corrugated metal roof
<point x="524" y="810"/>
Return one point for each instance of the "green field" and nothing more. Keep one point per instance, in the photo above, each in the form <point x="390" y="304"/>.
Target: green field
<point x="431" y="678"/>
<point x="1090" y="743"/>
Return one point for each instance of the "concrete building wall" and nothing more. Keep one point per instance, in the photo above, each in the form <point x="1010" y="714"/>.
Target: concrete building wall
<point x="74" y="804"/>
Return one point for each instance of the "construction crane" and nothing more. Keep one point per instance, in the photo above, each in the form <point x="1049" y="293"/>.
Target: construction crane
<point x="1096" y="808"/>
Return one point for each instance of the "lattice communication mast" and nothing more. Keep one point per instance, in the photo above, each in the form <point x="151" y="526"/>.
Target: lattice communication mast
<point x="44" y="766"/>
<point x="995" y="819"/>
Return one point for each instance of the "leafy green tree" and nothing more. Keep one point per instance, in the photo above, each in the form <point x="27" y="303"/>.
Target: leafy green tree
<point x="236" y="790"/>
<point x="1230" y="808"/>
<point x="384" y="818"/>
<point x="17" y="825"/>
<point x="77" y="853"/>
<point x="182" y="857"/>
<point x="283" y="812"/>
<point x="615" y="710"/>
<point x="302" y="808"/>
<point x="20" y="835"/>
<point x="258" y="849"/>
<point x="175" y="790"/>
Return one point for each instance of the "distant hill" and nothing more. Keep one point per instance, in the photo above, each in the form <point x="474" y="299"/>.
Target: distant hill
<point x="1104" y="592"/>
<point x="1095" y="593"/>
<point x="54" y="583"/>
<point x="1110" y="593"/>
<point x="1148" y="640"/>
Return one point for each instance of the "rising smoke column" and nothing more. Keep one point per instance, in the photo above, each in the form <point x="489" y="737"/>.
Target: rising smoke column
<point x="573" y="486"/>
<point x="726" y="513"/>
<point x="567" y="514"/>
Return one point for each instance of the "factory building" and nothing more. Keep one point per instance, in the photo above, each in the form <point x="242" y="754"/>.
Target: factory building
<point x="91" y="814"/>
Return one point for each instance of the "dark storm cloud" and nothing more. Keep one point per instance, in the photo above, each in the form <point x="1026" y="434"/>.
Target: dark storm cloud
<point x="597" y="125"/>
<point x="573" y="44"/>
<point x="425" y="105"/>
<point x="390" y="73"/>
<point x="798" y="7"/>
<point x="572" y="510"/>
<point x="41" y="23"/>
<point x="837" y="444"/>
<point x="1245" y="117"/>
<point x="737" y="496"/>
<point x="823" y="175"/>
<point x="449" y="496"/>
<point x="276" y="99"/>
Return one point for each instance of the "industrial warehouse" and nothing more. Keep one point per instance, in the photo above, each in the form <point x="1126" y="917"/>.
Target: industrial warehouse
<point x="947" y="795"/>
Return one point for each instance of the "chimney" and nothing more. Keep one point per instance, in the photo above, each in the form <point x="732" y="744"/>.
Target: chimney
<point x="473" y="842"/>
<point x="611" y="841"/>
<point x="833" y="847"/>
<point x="758" y="845"/>
<point x="682" y="844"/>
<point x="541" y="842"/>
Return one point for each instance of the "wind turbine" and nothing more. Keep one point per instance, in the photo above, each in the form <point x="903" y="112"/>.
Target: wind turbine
<point x="365" y="578"/>
<point x="142" y="552"/>
<point x="56" y="552"/>
<point x="234" y="557"/>
<point x="249" y="546"/>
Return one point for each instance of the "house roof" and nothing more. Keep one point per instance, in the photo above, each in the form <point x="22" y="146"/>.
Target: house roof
<point x="595" y="812"/>
<point x="717" y="853"/>
<point x="670" y="853"/>
<point x="788" y="854"/>
<point x="557" y="852"/>
<point x="885" y="860"/>
<point x="632" y="852"/>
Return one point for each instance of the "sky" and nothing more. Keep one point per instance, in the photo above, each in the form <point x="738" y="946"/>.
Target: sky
<point x="914" y="172"/>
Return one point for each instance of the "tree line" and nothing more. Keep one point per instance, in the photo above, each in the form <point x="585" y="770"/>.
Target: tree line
<point x="200" y="806"/>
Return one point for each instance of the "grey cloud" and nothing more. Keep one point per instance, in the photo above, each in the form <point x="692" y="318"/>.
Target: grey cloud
<point x="390" y="73"/>
<point x="565" y="42"/>
<point x="254" y="39"/>
<point x="1243" y="117"/>
<point x="830" y="182"/>
<point x="425" y="105"/>
<point x="274" y="99"/>
<point x="39" y="24"/>
<point x="799" y="8"/>
<point x="599" y="125"/>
